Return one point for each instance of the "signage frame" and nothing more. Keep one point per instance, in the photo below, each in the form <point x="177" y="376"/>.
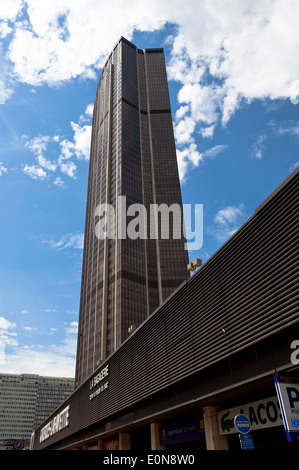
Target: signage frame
<point x="285" y="386"/>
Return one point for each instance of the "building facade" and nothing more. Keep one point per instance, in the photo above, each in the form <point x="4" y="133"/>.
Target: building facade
<point x="26" y="400"/>
<point x="133" y="166"/>
<point x="211" y="351"/>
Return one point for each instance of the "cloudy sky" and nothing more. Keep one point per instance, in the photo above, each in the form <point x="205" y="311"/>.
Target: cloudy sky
<point x="233" y="74"/>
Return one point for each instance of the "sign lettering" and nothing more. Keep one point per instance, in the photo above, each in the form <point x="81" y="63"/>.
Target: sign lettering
<point x="58" y="423"/>
<point x="99" y="379"/>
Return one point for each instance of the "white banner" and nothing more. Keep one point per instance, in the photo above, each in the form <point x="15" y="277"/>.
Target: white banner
<point x="262" y="414"/>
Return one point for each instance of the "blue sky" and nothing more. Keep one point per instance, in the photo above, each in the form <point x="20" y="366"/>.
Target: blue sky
<point x="234" y="87"/>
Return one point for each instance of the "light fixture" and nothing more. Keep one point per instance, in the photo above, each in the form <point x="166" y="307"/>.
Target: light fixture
<point x="196" y="263"/>
<point x="132" y="328"/>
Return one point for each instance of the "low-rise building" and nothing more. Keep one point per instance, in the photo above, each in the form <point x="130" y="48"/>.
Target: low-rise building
<point x="26" y="400"/>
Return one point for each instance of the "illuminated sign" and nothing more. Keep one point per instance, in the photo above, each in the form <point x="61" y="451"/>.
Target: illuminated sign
<point x="59" y="422"/>
<point x="99" y="379"/>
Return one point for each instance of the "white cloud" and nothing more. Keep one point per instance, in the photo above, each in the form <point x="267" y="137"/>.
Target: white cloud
<point x="71" y="240"/>
<point x="62" y="39"/>
<point x="67" y="148"/>
<point x="202" y="101"/>
<point x="214" y="151"/>
<point x="183" y="130"/>
<point x="183" y="163"/>
<point x="228" y="221"/>
<point x="6" y="324"/>
<point x="293" y="167"/>
<point x="89" y="110"/>
<point x="29" y="328"/>
<point x="69" y="168"/>
<point x="7" y="337"/>
<point x="9" y="9"/>
<point x="50" y="361"/>
<point x="190" y="157"/>
<point x="42" y="161"/>
<point x="3" y="169"/>
<point x="5" y="29"/>
<point x="82" y="137"/>
<point x="259" y="147"/>
<point x="38" y="144"/>
<point x="35" y="172"/>
<point x="207" y="131"/>
<point x="54" y="360"/>
<point x="78" y="147"/>
<point x="224" y="53"/>
<point x="287" y="127"/>
<point x="67" y="38"/>
<point x="59" y="182"/>
<point x="229" y="214"/>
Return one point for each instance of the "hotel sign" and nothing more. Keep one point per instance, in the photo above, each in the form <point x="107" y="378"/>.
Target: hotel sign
<point x="99" y="380"/>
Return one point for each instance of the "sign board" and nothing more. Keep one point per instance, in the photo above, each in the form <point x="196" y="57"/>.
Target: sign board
<point x="99" y="382"/>
<point x="262" y="414"/>
<point x="288" y="394"/>
<point x="185" y="431"/>
<point x="59" y="422"/>
<point x="246" y="442"/>
<point x="242" y="424"/>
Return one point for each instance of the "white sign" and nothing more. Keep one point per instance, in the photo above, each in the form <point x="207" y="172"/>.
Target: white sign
<point x="59" y="422"/>
<point x="288" y="394"/>
<point x="262" y="414"/>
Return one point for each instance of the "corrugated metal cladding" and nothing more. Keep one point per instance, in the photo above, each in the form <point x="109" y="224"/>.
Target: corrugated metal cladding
<point x="248" y="290"/>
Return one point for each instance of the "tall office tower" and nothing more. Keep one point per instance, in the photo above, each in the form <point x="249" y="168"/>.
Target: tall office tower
<point x="132" y="161"/>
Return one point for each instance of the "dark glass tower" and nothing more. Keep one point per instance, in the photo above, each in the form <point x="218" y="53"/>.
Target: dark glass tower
<point x="132" y="155"/>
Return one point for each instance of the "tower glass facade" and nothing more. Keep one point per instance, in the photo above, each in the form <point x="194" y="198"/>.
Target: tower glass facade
<point x="132" y="161"/>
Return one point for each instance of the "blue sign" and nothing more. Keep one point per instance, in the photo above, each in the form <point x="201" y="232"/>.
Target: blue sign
<point x="185" y="431"/>
<point x="287" y="389"/>
<point x="242" y="424"/>
<point x="246" y="442"/>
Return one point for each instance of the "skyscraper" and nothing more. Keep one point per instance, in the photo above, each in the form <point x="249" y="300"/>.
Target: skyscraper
<point x="132" y="162"/>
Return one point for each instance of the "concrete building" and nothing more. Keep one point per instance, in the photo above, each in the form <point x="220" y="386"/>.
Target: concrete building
<point x="26" y="400"/>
